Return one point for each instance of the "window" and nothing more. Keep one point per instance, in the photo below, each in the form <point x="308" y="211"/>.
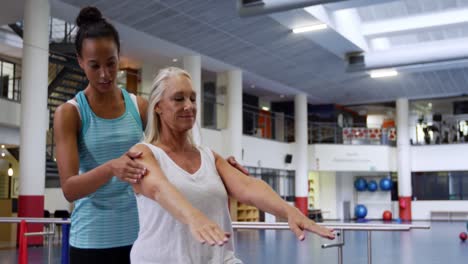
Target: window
<point x="9" y="81"/>
<point x="281" y="181"/>
<point x="440" y="185"/>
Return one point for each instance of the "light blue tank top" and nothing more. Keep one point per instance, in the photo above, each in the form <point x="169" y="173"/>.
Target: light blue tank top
<point x="108" y="217"/>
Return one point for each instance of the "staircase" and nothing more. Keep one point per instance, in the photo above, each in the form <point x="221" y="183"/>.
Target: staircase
<point x="66" y="79"/>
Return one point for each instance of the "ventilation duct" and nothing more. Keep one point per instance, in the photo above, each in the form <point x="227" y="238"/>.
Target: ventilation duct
<point x="432" y="54"/>
<point x="261" y="7"/>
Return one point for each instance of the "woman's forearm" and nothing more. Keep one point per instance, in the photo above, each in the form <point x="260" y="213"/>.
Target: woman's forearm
<point x="78" y="186"/>
<point x="262" y="196"/>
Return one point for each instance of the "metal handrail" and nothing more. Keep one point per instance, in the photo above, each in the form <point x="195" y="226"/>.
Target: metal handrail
<point x="339" y="227"/>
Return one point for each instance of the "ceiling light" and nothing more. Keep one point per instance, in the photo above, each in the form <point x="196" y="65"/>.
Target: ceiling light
<point x="265" y="108"/>
<point x="383" y="73"/>
<point x="174" y="60"/>
<point x="3" y="154"/>
<point x="315" y="27"/>
<point x="3" y="146"/>
<point x="10" y="171"/>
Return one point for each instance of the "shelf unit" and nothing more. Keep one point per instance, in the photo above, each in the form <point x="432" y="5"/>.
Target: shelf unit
<point x="376" y="202"/>
<point x="242" y="212"/>
<point x="313" y="191"/>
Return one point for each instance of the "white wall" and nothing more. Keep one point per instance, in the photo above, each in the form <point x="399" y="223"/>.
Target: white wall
<point x="267" y="153"/>
<point x="328" y="194"/>
<point x="214" y="140"/>
<point x="344" y="192"/>
<point x="9" y="135"/>
<point x="258" y="152"/>
<point x="421" y="210"/>
<point x="325" y="157"/>
<point x="439" y="158"/>
<point x="375" y="121"/>
<point x="10" y="113"/>
<point x="54" y="200"/>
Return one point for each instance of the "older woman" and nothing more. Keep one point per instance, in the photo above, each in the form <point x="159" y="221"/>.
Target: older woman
<point x="182" y="201"/>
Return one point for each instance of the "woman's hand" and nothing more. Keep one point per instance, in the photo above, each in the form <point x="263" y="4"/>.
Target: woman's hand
<point x="205" y="230"/>
<point x="233" y="162"/>
<point x="298" y="223"/>
<point x="126" y="169"/>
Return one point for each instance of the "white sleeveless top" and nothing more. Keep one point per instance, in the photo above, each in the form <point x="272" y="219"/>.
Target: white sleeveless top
<point x="162" y="239"/>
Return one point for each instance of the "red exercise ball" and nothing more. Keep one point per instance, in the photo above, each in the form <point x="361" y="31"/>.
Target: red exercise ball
<point x="463" y="236"/>
<point x="387" y="216"/>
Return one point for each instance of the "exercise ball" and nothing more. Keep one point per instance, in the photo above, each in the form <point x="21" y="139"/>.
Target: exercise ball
<point x="385" y="184"/>
<point x="360" y="211"/>
<point x="463" y="236"/>
<point x="372" y="186"/>
<point x="360" y="184"/>
<point x="387" y="216"/>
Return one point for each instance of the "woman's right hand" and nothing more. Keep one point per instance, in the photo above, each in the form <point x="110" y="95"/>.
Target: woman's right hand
<point x="205" y="230"/>
<point x="126" y="169"/>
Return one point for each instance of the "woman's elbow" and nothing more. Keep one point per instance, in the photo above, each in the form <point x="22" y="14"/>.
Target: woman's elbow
<point x="69" y="196"/>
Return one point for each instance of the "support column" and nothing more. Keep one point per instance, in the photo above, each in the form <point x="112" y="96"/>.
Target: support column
<point x="300" y="134"/>
<point x="192" y="64"/>
<point x="34" y="116"/>
<point x="234" y="114"/>
<point x="404" y="159"/>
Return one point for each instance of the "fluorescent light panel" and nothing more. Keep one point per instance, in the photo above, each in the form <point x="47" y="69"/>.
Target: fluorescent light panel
<point x="383" y="73"/>
<point x="315" y="27"/>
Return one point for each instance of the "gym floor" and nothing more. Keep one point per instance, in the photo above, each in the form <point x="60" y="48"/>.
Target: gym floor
<point x="440" y="244"/>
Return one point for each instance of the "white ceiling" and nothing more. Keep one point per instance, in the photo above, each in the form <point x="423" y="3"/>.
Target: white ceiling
<point x="315" y="63"/>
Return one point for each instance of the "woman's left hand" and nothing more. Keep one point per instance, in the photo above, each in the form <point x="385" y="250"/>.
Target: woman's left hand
<point x="233" y="162"/>
<point x="298" y="223"/>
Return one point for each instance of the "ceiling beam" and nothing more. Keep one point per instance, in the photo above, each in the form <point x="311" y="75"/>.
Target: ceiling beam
<point x="415" y="23"/>
<point x="417" y="57"/>
<point x="261" y="7"/>
<point x="356" y="4"/>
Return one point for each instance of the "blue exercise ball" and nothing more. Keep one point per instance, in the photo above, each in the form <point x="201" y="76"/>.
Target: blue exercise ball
<point x="385" y="184"/>
<point x="360" y="211"/>
<point x="372" y="186"/>
<point x="360" y="184"/>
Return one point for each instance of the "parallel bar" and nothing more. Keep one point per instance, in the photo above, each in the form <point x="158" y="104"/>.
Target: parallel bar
<point x="251" y="225"/>
<point x="344" y="226"/>
<point x="34" y="220"/>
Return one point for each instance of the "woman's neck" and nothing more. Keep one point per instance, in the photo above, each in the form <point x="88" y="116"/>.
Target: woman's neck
<point x="176" y="142"/>
<point x="97" y="97"/>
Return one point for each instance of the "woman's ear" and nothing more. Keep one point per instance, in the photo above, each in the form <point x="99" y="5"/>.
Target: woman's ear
<point x="80" y="61"/>
<point x="157" y="109"/>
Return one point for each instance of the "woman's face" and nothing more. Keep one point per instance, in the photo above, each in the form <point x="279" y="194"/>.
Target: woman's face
<point x="178" y="108"/>
<point x="100" y="61"/>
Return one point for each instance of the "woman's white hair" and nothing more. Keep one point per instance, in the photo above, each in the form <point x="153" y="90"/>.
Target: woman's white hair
<point x="157" y="89"/>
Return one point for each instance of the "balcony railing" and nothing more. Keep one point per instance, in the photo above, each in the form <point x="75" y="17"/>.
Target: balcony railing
<point x="331" y="133"/>
<point x="265" y="124"/>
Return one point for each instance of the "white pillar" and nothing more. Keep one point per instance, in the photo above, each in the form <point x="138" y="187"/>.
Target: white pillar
<point x="34" y="118"/>
<point x="300" y="134"/>
<point x="234" y="114"/>
<point x="192" y="64"/>
<point x="34" y="114"/>
<point x="403" y="158"/>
